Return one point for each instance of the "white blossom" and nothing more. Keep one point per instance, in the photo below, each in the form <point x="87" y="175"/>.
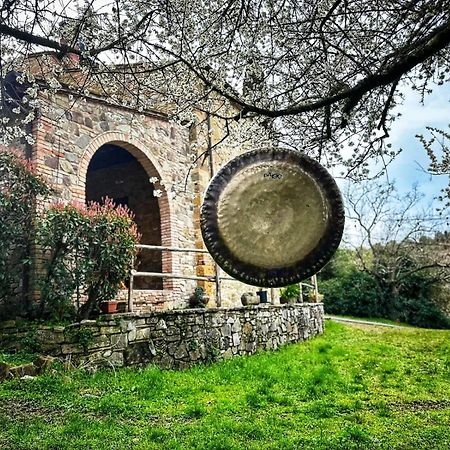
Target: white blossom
<point x="30" y="140"/>
<point x="29" y="117"/>
<point x="54" y="83"/>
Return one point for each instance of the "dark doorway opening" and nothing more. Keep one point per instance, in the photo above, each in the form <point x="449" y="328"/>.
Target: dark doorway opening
<point x="115" y="173"/>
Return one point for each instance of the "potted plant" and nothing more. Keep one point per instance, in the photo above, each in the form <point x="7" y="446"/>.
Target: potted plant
<point x="290" y="294"/>
<point x="109" y="307"/>
<point x="198" y="299"/>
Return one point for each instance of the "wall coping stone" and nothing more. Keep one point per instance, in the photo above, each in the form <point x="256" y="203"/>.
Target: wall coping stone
<point x="186" y="311"/>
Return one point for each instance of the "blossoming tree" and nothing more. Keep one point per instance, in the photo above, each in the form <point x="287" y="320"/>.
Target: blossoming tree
<point x="317" y="75"/>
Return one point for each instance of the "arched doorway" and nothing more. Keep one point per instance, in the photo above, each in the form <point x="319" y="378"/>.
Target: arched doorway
<point x="115" y="173"/>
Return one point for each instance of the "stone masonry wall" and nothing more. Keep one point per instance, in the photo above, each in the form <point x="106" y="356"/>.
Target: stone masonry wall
<point x="67" y="135"/>
<point x="173" y="339"/>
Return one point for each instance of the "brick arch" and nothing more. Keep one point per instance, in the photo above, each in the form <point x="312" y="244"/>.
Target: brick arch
<point x="144" y="156"/>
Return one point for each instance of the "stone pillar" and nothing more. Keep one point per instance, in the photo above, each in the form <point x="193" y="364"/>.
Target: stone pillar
<point x="204" y="263"/>
<point x="200" y="179"/>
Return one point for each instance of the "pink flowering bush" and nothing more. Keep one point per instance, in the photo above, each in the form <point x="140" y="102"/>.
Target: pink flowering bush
<point x="88" y="252"/>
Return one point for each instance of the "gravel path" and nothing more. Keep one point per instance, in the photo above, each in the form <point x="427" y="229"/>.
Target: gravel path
<point x="362" y="322"/>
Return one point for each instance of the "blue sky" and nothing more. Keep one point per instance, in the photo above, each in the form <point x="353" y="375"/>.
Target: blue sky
<point x="409" y="166"/>
<point x="406" y="169"/>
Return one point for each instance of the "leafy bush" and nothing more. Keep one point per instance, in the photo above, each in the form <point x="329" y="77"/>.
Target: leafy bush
<point x="421" y="312"/>
<point x="355" y="293"/>
<point x="89" y="251"/>
<point x="349" y="290"/>
<point x="19" y="187"/>
<point x="62" y="235"/>
<point x="360" y="294"/>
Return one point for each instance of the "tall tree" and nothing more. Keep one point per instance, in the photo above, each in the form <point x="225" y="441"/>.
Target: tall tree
<point x="393" y="238"/>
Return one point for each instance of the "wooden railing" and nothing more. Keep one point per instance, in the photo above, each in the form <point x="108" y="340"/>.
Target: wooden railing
<point x="217" y="278"/>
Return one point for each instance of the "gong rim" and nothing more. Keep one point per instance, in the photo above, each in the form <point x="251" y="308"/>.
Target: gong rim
<point x="276" y="276"/>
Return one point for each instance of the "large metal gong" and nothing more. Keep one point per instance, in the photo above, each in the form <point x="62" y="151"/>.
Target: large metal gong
<point x="272" y="217"/>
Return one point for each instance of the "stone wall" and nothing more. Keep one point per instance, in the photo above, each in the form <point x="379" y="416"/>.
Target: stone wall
<point x="172" y="339"/>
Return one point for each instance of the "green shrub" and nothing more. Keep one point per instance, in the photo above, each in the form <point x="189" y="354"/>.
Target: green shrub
<point x="360" y="294"/>
<point x="356" y="293"/>
<point x="19" y="187"/>
<point x="421" y="312"/>
<point x="89" y="250"/>
<point x="62" y="235"/>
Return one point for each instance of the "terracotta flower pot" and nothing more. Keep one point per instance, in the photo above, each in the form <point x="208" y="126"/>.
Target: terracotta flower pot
<point x="109" y="307"/>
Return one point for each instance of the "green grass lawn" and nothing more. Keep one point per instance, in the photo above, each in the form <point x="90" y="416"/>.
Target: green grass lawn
<point x="352" y="388"/>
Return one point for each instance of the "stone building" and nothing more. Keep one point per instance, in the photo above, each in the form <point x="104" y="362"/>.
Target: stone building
<point x="88" y="148"/>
